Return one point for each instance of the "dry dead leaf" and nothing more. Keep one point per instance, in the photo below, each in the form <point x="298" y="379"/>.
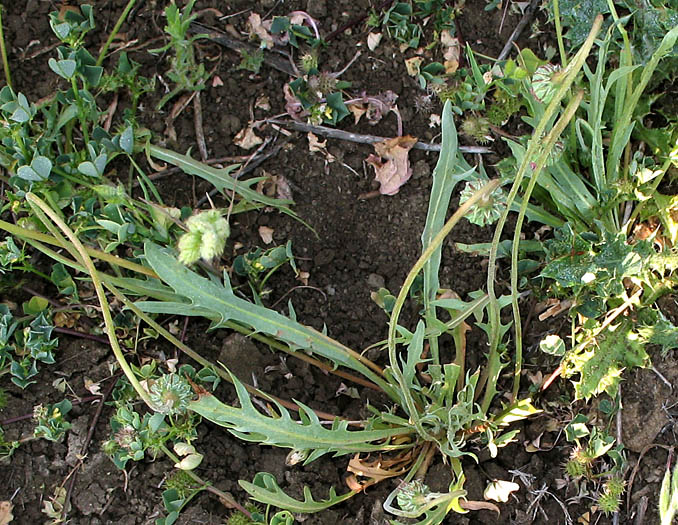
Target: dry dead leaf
<point x="358" y="111"/>
<point x="451" y="51"/>
<point x="536" y="378"/>
<point x="246" y="138"/>
<point x="282" y="188"/>
<point x="534" y="445"/>
<point x="263" y="103"/>
<point x="293" y="106"/>
<point x="266" y="234"/>
<point x="6" y="512"/>
<point x="314" y="144"/>
<point x="257" y="28"/>
<point x="554" y="307"/>
<point x="413" y="65"/>
<point x="66" y="319"/>
<point x="478" y="505"/>
<point x="274" y="186"/>
<point x="376" y="470"/>
<point x="391" y="163"/>
<point x="92" y="387"/>
<point x="434" y="120"/>
<point x="373" y="40"/>
<point x="353" y="483"/>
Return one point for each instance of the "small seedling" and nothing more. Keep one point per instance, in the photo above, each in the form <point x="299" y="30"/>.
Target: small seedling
<point x="184" y="71"/>
<point x="588" y="462"/>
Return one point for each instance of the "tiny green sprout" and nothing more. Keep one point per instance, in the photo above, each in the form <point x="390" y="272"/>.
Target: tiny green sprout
<point x="478" y="128"/>
<point x="309" y="61"/>
<point x="608" y="502"/>
<point x="488" y="209"/>
<point x="171" y="394"/>
<point x="206" y="237"/>
<point x="50" y="421"/>
<point x="615" y="486"/>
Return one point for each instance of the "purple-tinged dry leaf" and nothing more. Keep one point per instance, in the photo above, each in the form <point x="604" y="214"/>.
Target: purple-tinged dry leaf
<point x="375" y="107"/>
<point x="391" y="163"/>
<point x="379" y="106"/>
<point x="292" y="105"/>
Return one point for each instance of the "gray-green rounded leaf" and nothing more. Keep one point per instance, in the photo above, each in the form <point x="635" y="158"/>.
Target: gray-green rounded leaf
<point x="39" y="169"/>
<point x="63" y="68"/>
<point x="127" y="140"/>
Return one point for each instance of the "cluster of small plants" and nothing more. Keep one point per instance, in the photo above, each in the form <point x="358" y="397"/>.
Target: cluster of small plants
<point x="596" y="461"/>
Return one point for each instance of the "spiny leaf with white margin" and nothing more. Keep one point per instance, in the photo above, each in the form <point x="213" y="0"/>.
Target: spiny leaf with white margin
<point x="216" y="301"/>
<point x="264" y="489"/>
<point x="248" y="424"/>
<point x="600" y="365"/>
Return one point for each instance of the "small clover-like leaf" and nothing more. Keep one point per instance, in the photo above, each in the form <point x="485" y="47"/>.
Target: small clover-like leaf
<point x="127" y="140"/>
<point x="64" y="68"/>
<point x="39" y="169"/>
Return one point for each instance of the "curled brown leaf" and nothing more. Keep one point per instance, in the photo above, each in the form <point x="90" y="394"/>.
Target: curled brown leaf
<point x="391" y="164"/>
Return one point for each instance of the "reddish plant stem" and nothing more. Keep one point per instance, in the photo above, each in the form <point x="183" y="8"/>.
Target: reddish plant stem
<point x="84" y="335"/>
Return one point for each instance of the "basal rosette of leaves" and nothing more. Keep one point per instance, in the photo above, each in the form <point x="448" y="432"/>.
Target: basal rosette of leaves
<point x="436" y="407"/>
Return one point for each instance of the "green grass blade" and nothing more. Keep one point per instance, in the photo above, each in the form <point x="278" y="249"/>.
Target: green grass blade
<point x="219" y="178"/>
<point x="450" y="169"/>
<point x="622" y="130"/>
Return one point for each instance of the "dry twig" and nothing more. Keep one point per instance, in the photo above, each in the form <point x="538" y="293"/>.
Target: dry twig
<point x="360" y="138"/>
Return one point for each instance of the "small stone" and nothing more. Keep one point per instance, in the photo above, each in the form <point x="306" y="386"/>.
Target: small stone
<point x="421" y="169"/>
<point x="375" y="281"/>
<point x="316" y="8"/>
<point x="241" y="356"/>
<point x="324" y="257"/>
